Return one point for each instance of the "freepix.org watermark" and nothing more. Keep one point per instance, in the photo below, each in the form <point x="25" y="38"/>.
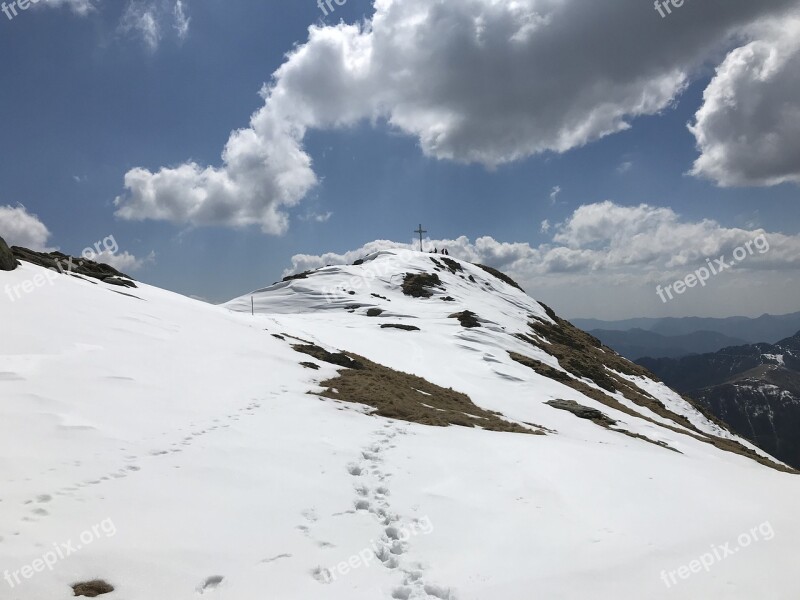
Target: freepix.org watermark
<point x="664" y="7"/>
<point x="715" y="267"/>
<point x="370" y="271"/>
<point x="10" y="9"/>
<point x="326" y="6"/>
<point x="49" y="559"/>
<point x="105" y="247"/>
<point x="718" y="553"/>
<point x="377" y="551"/>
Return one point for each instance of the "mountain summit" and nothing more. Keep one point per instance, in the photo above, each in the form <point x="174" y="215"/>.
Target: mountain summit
<point x="455" y="323"/>
<point x="410" y="427"/>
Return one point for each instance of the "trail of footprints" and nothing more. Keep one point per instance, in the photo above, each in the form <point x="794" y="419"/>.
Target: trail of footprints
<point x="372" y="488"/>
<point x="35" y="507"/>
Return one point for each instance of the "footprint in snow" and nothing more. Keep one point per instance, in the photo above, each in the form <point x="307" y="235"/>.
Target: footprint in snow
<point x="210" y="584"/>
<point x="274" y="558"/>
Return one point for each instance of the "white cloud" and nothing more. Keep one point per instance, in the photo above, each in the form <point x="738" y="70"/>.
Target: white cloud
<point x="605" y="261"/>
<point x="124" y="261"/>
<point x="317" y="217"/>
<point x="545" y="226"/>
<point x="81" y="7"/>
<point x="748" y="129"/>
<point x="602" y="238"/>
<point x="20" y="228"/>
<point x="146" y="18"/>
<point x="140" y="19"/>
<point x="182" y="20"/>
<point x="475" y="81"/>
<point x="554" y="193"/>
<point x="624" y="167"/>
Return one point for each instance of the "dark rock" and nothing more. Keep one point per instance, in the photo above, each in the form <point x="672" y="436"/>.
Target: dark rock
<point x="340" y="359"/>
<point x="58" y="261"/>
<point x="452" y="265"/>
<point x="92" y="589"/>
<point x="7" y="260"/>
<point x="467" y="319"/>
<point x="118" y="281"/>
<point x="417" y="285"/>
<point x="400" y="326"/>
<point x="374" y="312"/>
<point x="303" y="275"/>
<point x="500" y="275"/>
<point x="583" y="412"/>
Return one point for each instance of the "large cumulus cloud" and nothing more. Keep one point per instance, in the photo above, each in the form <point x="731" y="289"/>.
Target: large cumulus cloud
<point x="474" y="81"/>
<point x="748" y="129"/>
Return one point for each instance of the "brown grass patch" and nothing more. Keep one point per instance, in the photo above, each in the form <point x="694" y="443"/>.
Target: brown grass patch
<point x="406" y="397"/>
<point x="607" y="400"/>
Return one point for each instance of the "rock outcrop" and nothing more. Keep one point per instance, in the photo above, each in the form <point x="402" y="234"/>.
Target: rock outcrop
<point x="74" y="266"/>
<point x="7" y="260"/>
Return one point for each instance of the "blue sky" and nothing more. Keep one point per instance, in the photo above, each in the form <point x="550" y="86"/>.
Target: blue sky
<point x="86" y="99"/>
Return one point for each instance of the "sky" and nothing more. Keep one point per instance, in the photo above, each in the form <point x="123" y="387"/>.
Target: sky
<point x="597" y="152"/>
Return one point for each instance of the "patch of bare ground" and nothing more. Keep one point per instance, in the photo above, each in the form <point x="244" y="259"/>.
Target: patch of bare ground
<point x="452" y="265"/>
<point x="400" y="326"/>
<point x="467" y="319"/>
<point x="418" y="285"/>
<point x="303" y="275"/>
<point x="600" y="418"/>
<point x="584" y="357"/>
<point x="92" y="589"/>
<point x="500" y="275"/>
<point x="403" y="396"/>
<point x="340" y="359"/>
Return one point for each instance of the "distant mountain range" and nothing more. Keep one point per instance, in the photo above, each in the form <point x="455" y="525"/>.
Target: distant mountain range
<point x="766" y="328"/>
<point x="638" y="343"/>
<point x="676" y="337"/>
<point x="754" y="389"/>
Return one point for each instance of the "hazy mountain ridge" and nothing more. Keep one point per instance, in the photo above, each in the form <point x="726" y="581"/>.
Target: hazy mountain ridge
<point x="766" y="328"/>
<point x="639" y="343"/>
<point x="753" y="388"/>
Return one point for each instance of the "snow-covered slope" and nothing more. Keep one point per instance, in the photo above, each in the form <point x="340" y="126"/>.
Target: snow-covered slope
<point x="173" y="449"/>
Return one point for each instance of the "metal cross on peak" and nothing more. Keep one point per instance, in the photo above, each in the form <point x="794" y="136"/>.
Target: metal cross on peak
<point x="420" y="231"/>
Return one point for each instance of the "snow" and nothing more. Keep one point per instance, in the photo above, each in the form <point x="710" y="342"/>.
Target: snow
<point x="778" y="358"/>
<point x="185" y="434"/>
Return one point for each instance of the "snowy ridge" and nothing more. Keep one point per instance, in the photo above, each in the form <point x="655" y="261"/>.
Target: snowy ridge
<point x="344" y="294"/>
<point x="191" y="428"/>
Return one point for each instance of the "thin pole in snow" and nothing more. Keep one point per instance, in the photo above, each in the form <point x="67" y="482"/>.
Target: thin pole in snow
<point x="252" y="307"/>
